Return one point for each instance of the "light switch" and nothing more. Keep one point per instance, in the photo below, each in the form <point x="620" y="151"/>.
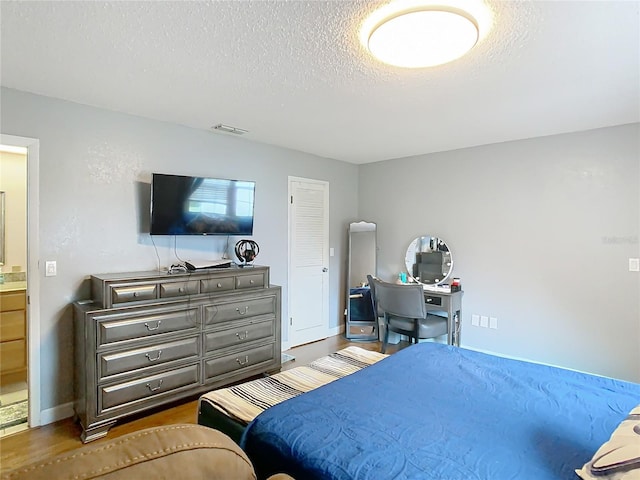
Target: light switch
<point x="332" y="252"/>
<point x="493" y="322"/>
<point x="475" y="320"/>
<point x="50" y="268"/>
<point x="634" y="264"/>
<point x="484" y="321"/>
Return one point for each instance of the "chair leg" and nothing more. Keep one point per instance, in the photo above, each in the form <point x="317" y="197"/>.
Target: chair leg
<point x="386" y="335"/>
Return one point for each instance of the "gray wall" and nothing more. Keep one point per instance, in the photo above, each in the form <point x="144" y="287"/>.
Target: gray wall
<point x="541" y="231"/>
<point x="95" y="171"/>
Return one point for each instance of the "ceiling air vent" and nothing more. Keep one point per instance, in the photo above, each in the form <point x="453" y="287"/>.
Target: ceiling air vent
<point x="221" y="127"/>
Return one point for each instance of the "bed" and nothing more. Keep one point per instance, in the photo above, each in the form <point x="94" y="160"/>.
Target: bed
<point x="434" y="411"/>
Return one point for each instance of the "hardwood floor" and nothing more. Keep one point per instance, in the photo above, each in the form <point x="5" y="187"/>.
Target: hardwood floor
<point x="38" y="443"/>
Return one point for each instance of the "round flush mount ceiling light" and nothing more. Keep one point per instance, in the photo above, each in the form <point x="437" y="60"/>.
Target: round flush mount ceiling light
<point x="415" y="35"/>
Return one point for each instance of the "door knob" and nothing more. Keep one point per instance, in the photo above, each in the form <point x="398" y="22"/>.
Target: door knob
<point x="325" y="269"/>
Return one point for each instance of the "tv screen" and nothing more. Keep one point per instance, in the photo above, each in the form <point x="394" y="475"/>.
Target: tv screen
<point x="182" y="205"/>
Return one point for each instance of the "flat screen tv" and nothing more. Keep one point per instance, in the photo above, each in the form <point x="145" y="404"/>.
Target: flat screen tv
<point x="183" y="205"/>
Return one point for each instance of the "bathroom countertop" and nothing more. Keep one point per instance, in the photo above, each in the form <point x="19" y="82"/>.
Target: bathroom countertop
<point x="12" y="286"/>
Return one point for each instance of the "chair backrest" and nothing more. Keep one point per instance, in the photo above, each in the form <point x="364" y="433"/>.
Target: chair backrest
<point x="399" y="300"/>
<point x="378" y="311"/>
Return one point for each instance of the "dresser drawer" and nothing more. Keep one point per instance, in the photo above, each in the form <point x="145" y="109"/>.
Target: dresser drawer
<point x="147" y="387"/>
<point x="133" y="293"/>
<point x="225" y="312"/>
<point x="162" y="353"/>
<point x="238" y="361"/>
<point x="219" y="284"/>
<point x="13" y="301"/>
<point x="13" y="355"/>
<point x="118" y="327"/>
<point x="238" y="335"/>
<point x="361" y="330"/>
<point x="179" y="289"/>
<point x="250" y="281"/>
<point x="12" y="325"/>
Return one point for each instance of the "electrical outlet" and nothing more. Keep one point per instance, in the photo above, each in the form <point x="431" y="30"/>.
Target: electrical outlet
<point x="475" y="320"/>
<point x="50" y="268"/>
<point x="484" y="321"/>
<point x="634" y="264"/>
<point x="493" y="322"/>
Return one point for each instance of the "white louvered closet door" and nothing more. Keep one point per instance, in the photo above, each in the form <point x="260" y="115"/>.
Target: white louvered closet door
<point x="308" y="261"/>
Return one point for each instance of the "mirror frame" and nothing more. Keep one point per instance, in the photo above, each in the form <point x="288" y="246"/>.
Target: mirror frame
<point x="360" y="227"/>
<point x="362" y="260"/>
<point x="428" y="244"/>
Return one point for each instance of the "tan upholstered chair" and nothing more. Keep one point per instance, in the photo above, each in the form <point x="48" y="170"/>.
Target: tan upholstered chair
<point x="169" y="452"/>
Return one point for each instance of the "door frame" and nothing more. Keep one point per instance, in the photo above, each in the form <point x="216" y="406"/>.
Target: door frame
<point x="33" y="270"/>
<point x="286" y="344"/>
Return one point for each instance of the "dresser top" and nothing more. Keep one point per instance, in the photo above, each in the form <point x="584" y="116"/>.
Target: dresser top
<point x="154" y="274"/>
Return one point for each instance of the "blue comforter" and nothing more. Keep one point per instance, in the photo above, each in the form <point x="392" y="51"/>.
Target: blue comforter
<point x="433" y="411"/>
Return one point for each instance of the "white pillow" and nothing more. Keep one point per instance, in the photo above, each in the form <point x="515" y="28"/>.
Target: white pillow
<point x="618" y="458"/>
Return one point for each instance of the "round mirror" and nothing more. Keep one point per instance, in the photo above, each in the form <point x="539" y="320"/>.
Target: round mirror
<point x="428" y="260"/>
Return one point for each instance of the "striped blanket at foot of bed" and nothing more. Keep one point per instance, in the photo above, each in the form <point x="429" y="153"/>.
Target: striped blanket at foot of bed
<point x="246" y="401"/>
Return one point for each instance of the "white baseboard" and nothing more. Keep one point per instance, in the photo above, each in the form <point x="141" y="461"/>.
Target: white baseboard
<point x="522" y="359"/>
<point x="336" y="330"/>
<point x="59" y="412"/>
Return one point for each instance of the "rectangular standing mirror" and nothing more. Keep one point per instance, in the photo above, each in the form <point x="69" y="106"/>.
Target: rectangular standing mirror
<point x="361" y="321"/>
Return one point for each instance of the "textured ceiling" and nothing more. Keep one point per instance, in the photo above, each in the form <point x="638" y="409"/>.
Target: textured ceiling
<point x="294" y="73"/>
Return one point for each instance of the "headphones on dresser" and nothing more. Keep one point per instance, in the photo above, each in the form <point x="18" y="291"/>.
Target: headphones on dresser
<point x="247" y="251"/>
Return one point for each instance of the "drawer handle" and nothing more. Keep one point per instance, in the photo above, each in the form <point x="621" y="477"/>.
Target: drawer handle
<point x="181" y="289"/>
<point x="153" y="359"/>
<point x="154" y="328"/>
<point x="243" y="312"/>
<point x="153" y="389"/>
<point x="246" y="360"/>
<point x="251" y="282"/>
<point x="429" y="300"/>
<point x="219" y="285"/>
<point x="242" y="336"/>
<point x="135" y="294"/>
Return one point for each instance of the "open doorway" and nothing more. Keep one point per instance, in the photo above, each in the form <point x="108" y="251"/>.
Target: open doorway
<point x="32" y="282"/>
<point x="13" y="290"/>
